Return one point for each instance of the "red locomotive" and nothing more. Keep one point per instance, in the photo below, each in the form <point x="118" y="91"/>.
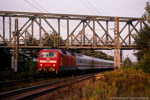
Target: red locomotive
<point x="56" y="60"/>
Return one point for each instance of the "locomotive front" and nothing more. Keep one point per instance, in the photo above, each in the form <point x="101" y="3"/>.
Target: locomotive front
<point x="48" y="61"/>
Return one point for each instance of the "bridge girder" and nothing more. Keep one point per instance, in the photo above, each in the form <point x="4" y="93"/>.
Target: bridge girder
<point x="46" y="30"/>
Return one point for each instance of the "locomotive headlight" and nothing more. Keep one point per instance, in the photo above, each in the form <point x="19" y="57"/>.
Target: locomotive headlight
<point x="42" y="61"/>
<point x="52" y="61"/>
<point x="53" y="64"/>
<point x="40" y="64"/>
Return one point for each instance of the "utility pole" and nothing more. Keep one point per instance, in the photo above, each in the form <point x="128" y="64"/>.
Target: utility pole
<point x="15" y="47"/>
<point x="116" y="43"/>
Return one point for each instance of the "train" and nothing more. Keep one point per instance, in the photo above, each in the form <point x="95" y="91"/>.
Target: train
<point x="58" y="60"/>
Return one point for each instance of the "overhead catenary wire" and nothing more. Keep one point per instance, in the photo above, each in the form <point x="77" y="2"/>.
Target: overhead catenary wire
<point x="40" y="6"/>
<point x="41" y="10"/>
<point x="93" y="7"/>
<point x="93" y="10"/>
<point x="34" y="6"/>
<point x="64" y="25"/>
<point x="96" y="10"/>
<point x="88" y="7"/>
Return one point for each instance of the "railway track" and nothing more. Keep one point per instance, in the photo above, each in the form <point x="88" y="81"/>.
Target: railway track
<point x="16" y="84"/>
<point x="39" y="90"/>
<point x="9" y="83"/>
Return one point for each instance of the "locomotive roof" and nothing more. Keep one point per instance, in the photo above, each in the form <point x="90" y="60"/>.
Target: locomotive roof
<point x="62" y="51"/>
<point x="77" y="54"/>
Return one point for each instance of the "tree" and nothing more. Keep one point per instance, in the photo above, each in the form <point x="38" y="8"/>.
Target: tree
<point x="146" y="15"/>
<point x="53" y="39"/>
<point x="143" y="42"/>
<point x="26" y="57"/>
<point x="5" y="59"/>
<point x="127" y="62"/>
<point x="94" y="53"/>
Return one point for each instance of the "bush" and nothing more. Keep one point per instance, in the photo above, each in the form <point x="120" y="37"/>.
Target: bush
<point x="123" y="83"/>
<point x="29" y="70"/>
<point x="144" y="64"/>
<point x="30" y="66"/>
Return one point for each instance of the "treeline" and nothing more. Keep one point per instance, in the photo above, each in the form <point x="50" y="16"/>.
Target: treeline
<point x="27" y="66"/>
<point x="143" y="42"/>
<point x="94" y="53"/>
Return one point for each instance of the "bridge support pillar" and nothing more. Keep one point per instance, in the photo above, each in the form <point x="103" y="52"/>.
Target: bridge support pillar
<point x="116" y="43"/>
<point x="121" y="57"/>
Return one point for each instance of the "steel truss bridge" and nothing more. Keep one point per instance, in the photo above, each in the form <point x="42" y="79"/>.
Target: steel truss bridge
<point x="46" y="30"/>
<point x="67" y="31"/>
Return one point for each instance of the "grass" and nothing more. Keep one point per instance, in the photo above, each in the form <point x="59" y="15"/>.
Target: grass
<point x="11" y="75"/>
<point x="128" y="83"/>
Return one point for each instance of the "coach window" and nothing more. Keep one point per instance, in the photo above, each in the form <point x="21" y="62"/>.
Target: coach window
<point x="80" y="61"/>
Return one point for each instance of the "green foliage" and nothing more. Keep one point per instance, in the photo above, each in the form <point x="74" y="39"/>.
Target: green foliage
<point x="120" y="83"/>
<point x="93" y="53"/>
<point x="144" y="64"/>
<point x="25" y="56"/>
<point x="146" y="15"/>
<point x="32" y="41"/>
<point x="127" y="62"/>
<point x="143" y="42"/>
<point x="28" y="70"/>
<point x="30" y="66"/>
<point x="53" y="39"/>
<point x="128" y="83"/>
<point x="5" y="59"/>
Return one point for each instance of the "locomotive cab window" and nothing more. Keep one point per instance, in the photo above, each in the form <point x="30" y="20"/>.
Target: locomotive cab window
<point x="48" y="55"/>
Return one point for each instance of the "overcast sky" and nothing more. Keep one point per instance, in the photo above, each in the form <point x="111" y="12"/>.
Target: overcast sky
<point x="121" y="8"/>
<point x="128" y="8"/>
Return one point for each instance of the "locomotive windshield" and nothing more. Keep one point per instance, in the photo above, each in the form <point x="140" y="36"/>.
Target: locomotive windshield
<point x="48" y="54"/>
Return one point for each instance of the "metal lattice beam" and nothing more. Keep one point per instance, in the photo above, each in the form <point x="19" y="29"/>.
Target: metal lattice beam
<point x="35" y="30"/>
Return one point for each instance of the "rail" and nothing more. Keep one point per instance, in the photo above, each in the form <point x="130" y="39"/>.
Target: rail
<point x="38" y="90"/>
